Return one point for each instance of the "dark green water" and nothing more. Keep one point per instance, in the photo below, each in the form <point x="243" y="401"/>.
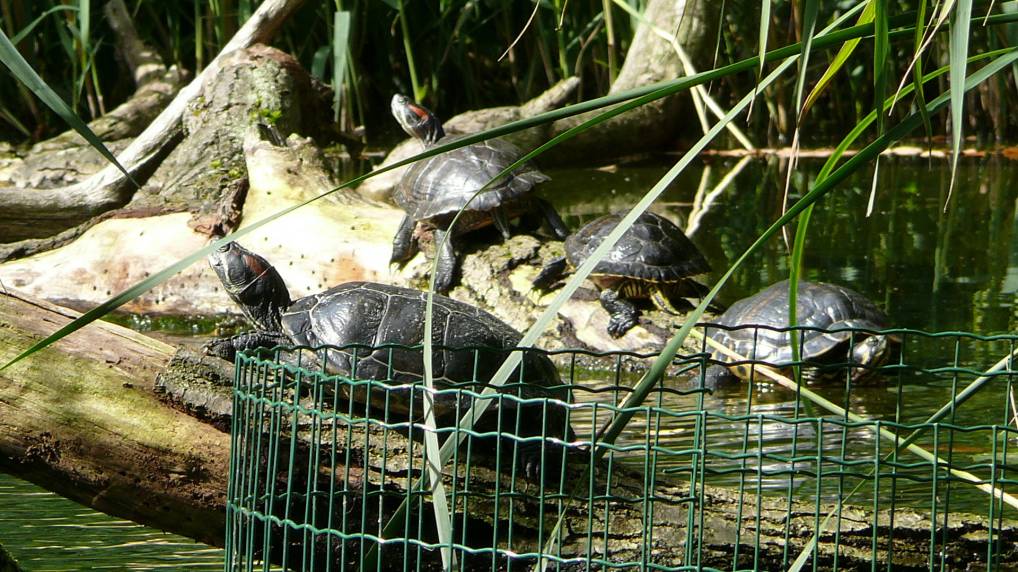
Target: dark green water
<point x="930" y="270"/>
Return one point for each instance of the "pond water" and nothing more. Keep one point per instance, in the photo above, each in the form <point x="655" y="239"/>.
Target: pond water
<point x="931" y="270"/>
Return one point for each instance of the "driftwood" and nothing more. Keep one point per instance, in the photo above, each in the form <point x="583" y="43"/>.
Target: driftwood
<point x="49" y="210"/>
<point x="85" y="418"/>
<point x="340" y="238"/>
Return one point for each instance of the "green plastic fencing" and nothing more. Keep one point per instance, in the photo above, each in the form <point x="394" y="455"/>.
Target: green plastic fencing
<point x="914" y="472"/>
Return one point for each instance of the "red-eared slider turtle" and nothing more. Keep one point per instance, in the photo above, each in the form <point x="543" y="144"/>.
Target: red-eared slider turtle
<point x="372" y="316"/>
<point x="433" y="190"/>
<point x="828" y="308"/>
<point x="653" y="260"/>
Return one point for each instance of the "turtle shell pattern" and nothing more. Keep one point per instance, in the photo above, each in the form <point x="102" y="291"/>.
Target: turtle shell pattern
<point x="444" y="183"/>
<point x="653" y="249"/>
<point x="818" y="305"/>
<point x="373" y="315"/>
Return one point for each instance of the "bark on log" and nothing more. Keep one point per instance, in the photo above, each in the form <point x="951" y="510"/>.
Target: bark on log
<point x="340" y="238"/>
<point x="54" y="209"/>
<point x="82" y="418"/>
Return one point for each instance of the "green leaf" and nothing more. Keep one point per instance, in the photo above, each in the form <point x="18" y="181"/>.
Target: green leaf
<point x="880" y="51"/>
<point x="11" y="58"/>
<point x="839" y="61"/>
<point x="31" y="26"/>
<point x="917" y="72"/>
<point x="340" y="38"/>
<point x="959" y="49"/>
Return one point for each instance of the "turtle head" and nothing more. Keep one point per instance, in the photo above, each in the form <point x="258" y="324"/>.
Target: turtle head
<point x="872" y="352"/>
<point x="416" y="120"/>
<point x="252" y="283"/>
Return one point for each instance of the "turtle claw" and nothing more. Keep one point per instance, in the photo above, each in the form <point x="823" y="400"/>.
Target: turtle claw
<point x="619" y="325"/>
<point x="222" y="348"/>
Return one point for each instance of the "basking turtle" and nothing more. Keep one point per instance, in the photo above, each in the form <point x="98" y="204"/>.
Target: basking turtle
<point x="653" y="260"/>
<point x="433" y="190"/>
<point x="828" y="308"/>
<point x="373" y="316"/>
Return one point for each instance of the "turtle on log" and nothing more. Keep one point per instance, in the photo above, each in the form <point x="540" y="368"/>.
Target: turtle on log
<point x="840" y="334"/>
<point x="375" y="331"/>
<point x="654" y="260"/>
<point x="434" y="189"/>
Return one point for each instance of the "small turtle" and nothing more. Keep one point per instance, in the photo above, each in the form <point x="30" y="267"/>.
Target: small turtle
<point x="433" y="190"/>
<point x="826" y="307"/>
<point x="373" y="316"/>
<point x="653" y="260"/>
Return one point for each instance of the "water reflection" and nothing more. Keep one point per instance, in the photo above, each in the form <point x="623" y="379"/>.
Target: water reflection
<point x="930" y="269"/>
<point x="47" y="532"/>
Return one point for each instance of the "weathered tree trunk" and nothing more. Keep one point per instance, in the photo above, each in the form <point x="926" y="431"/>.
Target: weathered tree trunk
<point x="83" y="417"/>
<point x="650" y="59"/>
<point x="45" y="211"/>
<point x="649" y="128"/>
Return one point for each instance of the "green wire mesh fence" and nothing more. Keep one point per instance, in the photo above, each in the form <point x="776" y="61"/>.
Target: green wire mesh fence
<point x="910" y="468"/>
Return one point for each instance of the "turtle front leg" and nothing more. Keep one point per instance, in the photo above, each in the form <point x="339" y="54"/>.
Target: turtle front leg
<point x="227" y="348"/>
<point x="623" y="312"/>
<point x="552" y="220"/>
<point x="404" y="244"/>
<point x="502" y="223"/>
<point x="446" y="255"/>
<point x="667" y="301"/>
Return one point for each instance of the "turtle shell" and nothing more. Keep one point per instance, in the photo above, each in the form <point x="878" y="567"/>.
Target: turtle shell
<point x="653" y="249"/>
<point x="373" y="315"/>
<point x="444" y="183"/>
<point x="818" y="305"/>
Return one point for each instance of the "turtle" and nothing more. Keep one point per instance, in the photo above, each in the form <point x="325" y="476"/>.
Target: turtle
<point x="373" y="332"/>
<point x="433" y="190"/>
<point x="653" y="260"/>
<point x="833" y="315"/>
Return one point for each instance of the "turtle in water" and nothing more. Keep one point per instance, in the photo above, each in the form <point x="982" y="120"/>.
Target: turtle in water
<point x="653" y="260"/>
<point x="433" y="190"/>
<point x="834" y="315"/>
<point x="386" y="324"/>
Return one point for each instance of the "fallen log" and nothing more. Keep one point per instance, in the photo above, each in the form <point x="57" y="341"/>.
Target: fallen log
<point x="81" y="418"/>
<point x="45" y="211"/>
<point x="84" y="417"/>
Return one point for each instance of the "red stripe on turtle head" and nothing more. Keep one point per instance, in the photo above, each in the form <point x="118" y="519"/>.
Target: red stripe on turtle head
<point x="254" y="263"/>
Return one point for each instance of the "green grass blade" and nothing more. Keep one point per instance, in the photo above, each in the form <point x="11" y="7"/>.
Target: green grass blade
<point x="809" y="21"/>
<point x="419" y="90"/>
<point x="959" y="48"/>
<point x="340" y="39"/>
<point x="839" y="60"/>
<point x="764" y="30"/>
<point x="31" y="25"/>
<point x="11" y="58"/>
<point x="880" y="50"/>
<point x="917" y="73"/>
<point x="319" y="60"/>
